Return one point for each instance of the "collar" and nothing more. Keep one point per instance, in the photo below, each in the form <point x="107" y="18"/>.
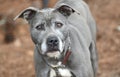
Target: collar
<point x="66" y="57"/>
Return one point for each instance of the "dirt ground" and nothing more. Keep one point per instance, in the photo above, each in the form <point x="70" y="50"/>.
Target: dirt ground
<point x="16" y="58"/>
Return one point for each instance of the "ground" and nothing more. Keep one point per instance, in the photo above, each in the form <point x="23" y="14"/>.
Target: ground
<point x="16" y="58"/>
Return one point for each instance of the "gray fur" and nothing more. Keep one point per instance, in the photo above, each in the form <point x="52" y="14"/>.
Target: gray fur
<point x="81" y="28"/>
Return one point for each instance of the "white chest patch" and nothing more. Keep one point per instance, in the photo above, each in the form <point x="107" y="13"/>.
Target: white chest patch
<point x="63" y="72"/>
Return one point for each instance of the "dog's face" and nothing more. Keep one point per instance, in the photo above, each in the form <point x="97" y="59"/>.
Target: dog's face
<point x="49" y="28"/>
<point x="48" y="31"/>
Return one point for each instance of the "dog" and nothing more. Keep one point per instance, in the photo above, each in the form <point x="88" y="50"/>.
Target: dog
<point x="64" y="38"/>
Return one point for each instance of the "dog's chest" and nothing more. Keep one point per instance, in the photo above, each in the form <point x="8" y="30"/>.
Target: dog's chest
<point x="60" y="72"/>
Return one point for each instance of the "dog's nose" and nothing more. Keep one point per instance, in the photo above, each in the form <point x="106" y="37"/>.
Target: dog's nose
<point x="52" y="43"/>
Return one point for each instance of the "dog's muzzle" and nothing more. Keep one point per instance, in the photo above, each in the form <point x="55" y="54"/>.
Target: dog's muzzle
<point x="52" y="44"/>
<point x="57" y="51"/>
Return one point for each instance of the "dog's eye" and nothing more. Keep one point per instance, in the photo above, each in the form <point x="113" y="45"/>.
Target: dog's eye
<point x="58" y="24"/>
<point x="40" y="27"/>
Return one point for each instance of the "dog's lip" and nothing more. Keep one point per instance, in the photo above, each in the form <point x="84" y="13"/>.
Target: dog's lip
<point x="53" y="51"/>
<point x="54" y="54"/>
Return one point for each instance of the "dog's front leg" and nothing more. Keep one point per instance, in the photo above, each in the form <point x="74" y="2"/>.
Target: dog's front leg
<point x="81" y="70"/>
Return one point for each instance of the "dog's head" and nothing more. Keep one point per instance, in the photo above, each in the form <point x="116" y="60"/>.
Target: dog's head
<point x="49" y="28"/>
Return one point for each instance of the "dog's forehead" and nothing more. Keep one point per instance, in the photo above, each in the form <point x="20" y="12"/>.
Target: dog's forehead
<point x="47" y="13"/>
<point x="47" y="16"/>
<point x="42" y="16"/>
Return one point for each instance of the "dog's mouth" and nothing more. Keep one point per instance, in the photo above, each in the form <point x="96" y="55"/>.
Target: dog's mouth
<point x="53" y="58"/>
<point x="56" y="58"/>
<point x="53" y="54"/>
<point x="55" y="51"/>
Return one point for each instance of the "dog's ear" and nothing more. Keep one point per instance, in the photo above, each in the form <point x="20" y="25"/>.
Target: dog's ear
<point x="28" y="13"/>
<point x="65" y="10"/>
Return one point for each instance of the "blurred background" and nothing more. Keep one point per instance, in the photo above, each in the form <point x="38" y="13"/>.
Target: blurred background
<point x="16" y="47"/>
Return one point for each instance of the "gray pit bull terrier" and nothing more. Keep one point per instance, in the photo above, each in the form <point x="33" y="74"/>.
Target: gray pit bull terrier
<point x="64" y="38"/>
